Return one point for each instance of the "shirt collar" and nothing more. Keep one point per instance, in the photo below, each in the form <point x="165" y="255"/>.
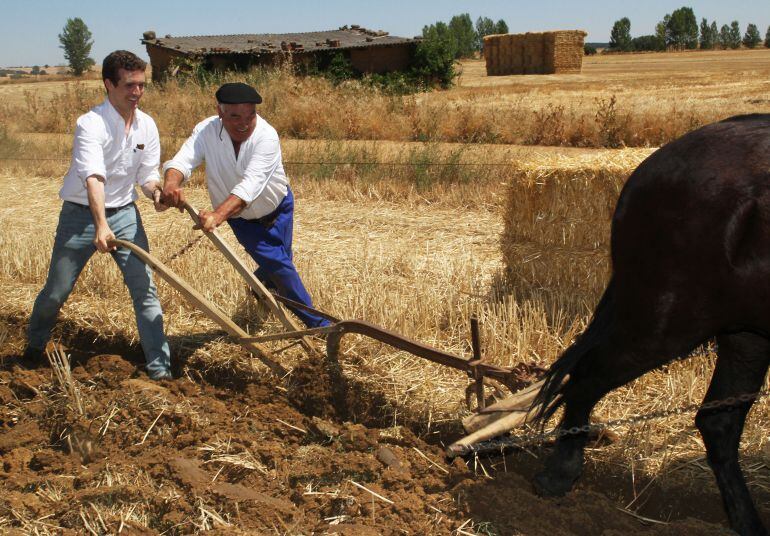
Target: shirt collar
<point x="115" y="119"/>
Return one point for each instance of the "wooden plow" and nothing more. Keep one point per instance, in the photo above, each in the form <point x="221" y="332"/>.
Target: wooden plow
<point x="486" y="422"/>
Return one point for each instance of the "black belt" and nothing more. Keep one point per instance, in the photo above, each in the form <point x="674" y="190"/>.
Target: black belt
<point x="269" y="220"/>
<point x="107" y="211"/>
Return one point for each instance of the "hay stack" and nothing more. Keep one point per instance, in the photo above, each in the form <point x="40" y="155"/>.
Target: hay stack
<point x="516" y="66"/>
<point x="534" y="53"/>
<point x="534" y="59"/>
<point x="492" y="54"/>
<point x="564" y="51"/>
<point x="557" y="222"/>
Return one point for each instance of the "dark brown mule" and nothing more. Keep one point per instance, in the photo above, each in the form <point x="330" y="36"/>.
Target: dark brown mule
<point x="691" y="262"/>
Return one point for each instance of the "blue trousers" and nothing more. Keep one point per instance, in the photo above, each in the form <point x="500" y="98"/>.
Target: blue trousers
<point x="73" y="246"/>
<point x="270" y="247"/>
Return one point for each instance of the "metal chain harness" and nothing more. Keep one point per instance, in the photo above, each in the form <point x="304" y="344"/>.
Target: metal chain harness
<point x="494" y="445"/>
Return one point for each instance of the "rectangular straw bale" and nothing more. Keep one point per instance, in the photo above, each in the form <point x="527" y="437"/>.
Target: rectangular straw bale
<point x="490" y="51"/>
<point x="578" y="275"/>
<point x="568" y="51"/>
<point x="535" y="53"/>
<point x="517" y="54"/>
<point x="492" y="54"/>
<point x="549" y="52"/>
<point x="557" y="220"/>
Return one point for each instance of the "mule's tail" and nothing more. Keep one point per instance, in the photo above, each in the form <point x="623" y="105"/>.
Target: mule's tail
<point x="550" y="397"/>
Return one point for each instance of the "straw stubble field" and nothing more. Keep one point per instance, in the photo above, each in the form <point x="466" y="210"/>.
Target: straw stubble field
<point x="413" y="247"/>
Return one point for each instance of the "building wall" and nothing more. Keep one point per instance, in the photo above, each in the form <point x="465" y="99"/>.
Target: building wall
<point x="160" y="59"/>
<point x="381" y="59"/>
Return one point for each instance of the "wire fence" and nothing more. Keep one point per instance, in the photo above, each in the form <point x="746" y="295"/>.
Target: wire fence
<point x="308" y="163"/>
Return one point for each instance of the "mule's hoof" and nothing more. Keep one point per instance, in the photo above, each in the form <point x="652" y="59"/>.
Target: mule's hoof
<point x="548" y="485"/>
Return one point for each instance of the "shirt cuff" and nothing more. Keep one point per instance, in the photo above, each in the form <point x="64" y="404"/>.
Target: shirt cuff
<point x="90" y="172"/>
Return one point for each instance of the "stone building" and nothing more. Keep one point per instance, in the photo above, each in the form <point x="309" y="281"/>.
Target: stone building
<point x="368" y="51"/>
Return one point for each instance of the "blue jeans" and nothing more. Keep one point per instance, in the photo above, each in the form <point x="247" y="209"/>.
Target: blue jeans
<point x="270" y="247"/>
<point x="73" y="246"/>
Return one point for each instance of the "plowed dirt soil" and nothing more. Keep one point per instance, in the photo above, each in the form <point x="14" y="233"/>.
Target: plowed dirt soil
<point x="261" y="457"/>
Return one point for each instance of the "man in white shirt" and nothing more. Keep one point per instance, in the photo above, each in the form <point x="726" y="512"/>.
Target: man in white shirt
<point x="116" y="146"/>
<point x="247" y="186"/>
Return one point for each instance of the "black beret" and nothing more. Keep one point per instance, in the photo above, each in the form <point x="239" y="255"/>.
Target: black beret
<point x="237" y="93"/>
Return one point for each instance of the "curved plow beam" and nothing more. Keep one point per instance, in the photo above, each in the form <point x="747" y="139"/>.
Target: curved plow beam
<point x="411" y="346"/>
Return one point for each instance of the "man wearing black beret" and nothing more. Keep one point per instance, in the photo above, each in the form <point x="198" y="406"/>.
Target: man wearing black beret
<point x="247" y="186"/>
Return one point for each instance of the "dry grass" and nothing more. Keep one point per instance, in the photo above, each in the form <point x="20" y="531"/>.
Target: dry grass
<point x="417" y="268"/>
<point x="633" y="100"/>
<point x="413" y="247"/>
<point x="557" y="222"/>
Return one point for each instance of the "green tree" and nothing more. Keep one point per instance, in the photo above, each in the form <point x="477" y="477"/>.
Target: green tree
<point x="484" y="26"/>
<point x="752" y="38"/>
<point x="714" y="34"/>
<point x="767" y="37"/>
<point x="620" y="35"/>
<point x="661" y="32"/>
<point x="501" y="27"/>
<point x="340" y="69"/>
<point x="707" y="38"/>
<point x="589" y="49"/>
<point x="735" y="34"/>
<point x="464" y="35"/>
<point x="434" y="57"/>
<point x="648" y="43"/>
<point x="76" y="41"/>
<point x="724" y="36"/>
<point x="35" y="69"/>
<point x="682" y="29"/>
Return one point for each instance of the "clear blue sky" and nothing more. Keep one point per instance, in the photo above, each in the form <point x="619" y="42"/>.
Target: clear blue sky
<point x="29" y="28"/>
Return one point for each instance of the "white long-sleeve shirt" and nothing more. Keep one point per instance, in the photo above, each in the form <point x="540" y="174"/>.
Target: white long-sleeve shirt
<point x="101" y="147"/>
<point x="256" y="176"/>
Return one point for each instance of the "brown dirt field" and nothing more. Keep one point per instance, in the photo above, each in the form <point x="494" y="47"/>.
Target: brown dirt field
<point x="202" y="453"/>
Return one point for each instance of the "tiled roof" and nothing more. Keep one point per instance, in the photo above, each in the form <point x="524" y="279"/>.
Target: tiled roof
<point x="342" y="38"/>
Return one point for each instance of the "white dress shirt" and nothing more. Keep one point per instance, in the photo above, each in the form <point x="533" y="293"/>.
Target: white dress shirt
<point x="256" y="176"/>
<point x="101" y="147"/>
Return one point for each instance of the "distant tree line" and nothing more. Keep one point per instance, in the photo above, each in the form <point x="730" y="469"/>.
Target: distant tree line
<point x="20" y="73"/>
<point x="444" y="43"/>
<point x="679" y="30"/>
<point x="461" y="38"/>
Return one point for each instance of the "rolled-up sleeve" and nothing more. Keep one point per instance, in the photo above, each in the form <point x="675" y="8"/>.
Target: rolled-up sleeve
<point x="148" y="168"/>
<point x="87" y="149"/>
<point x="189" y="156"/>
<point x="263" y="163"/>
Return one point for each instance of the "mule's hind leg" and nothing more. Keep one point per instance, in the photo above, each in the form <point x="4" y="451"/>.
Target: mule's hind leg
<point x="741" y="367"/>
<point x="605" y="368"/>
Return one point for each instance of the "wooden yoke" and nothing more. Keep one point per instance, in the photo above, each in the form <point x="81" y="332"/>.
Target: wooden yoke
<point x="254" y="283"/>
<point x="212" y="311"/>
